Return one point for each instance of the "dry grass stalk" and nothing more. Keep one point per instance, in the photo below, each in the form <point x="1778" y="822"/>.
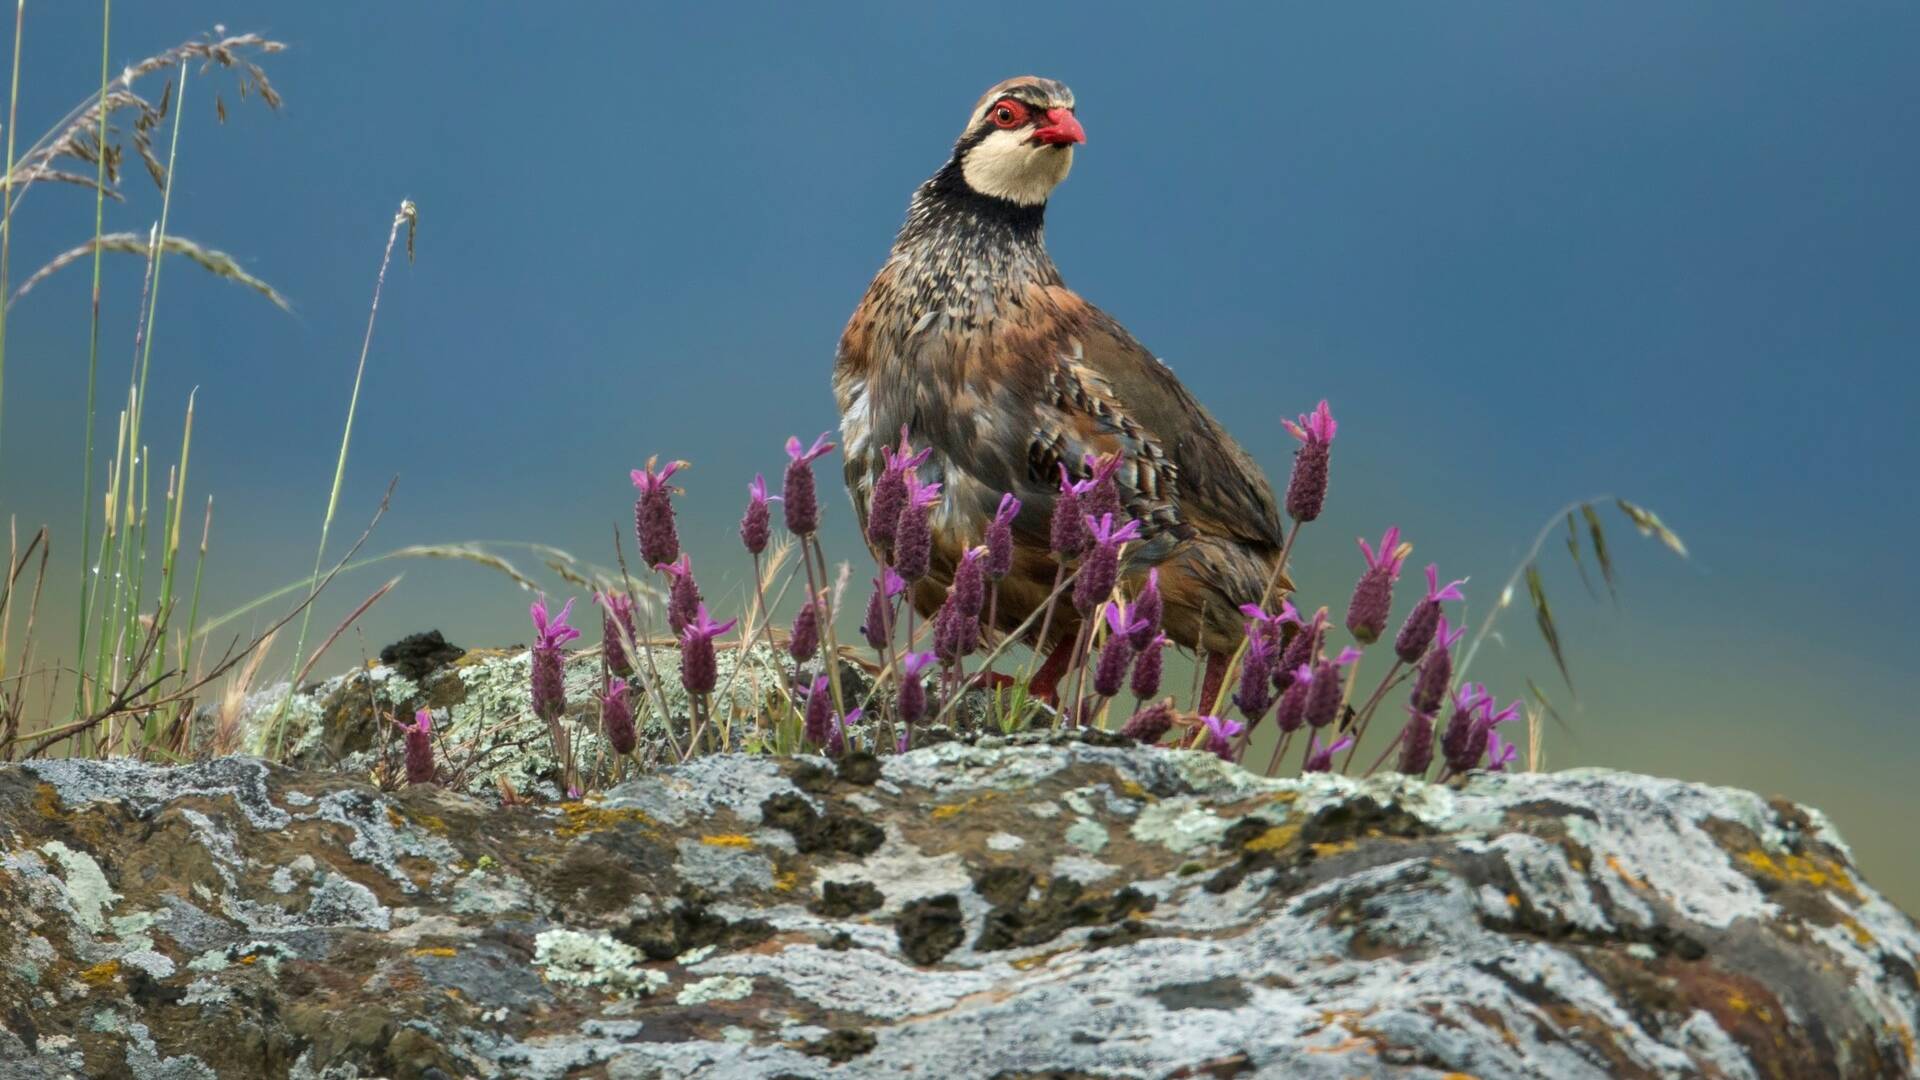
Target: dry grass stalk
<point x="215" y="262"/>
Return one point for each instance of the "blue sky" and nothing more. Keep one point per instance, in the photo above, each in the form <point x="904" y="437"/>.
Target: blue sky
<point x="1530" y="252"/>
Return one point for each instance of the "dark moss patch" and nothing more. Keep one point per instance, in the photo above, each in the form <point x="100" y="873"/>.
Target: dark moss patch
<point x="1003" y="886"/>
<point x="690" y="925"/>
<point x="1019" y="923"/>
<point x="813" y="831"/>
<point x="814" y="776"/>
<point x="841" y="1045"/>
<point x="1225" y="993"/>
<point x="860" y="767"/>
<point x="418" y="655"/>
<point x="1125" y="932"/>
<point x="843" y="899"/>
<point x="930" y="928"/>
<point x="839" y="942"/>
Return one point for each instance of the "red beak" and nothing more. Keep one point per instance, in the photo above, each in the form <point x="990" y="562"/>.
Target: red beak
<point x="1063" y="129"/>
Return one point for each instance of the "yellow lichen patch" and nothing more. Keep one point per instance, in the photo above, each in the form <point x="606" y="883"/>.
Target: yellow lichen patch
<point x="1274" y="839"/>
<point x="1028" y="963"/>
<point x="947" y="810"/>
<point x="102" y="973"/>
<point x="1626" y="875"/>
<point x="1513" y="900"/>
<point x="1324" y="850"/>
<point x="1799" y="869"/>
<point x="726" y="840"/>
<point x="1860" y="933"/>
<point x="394" y="819"/>
<point x="46" y="802"/>
<point x="583" y="818"/>
<point x="432" y="950"/>
<point x="434" y="824"/>
<point x="1135" y="790"/>
<point x="786" y="880"/>
<point x="1739" y="1003"/>
<point x="250" y="959"/>
<point x="1906" y="1040"/>
<point x="1459" y="1076"/>
<point x="1285" y="798"/>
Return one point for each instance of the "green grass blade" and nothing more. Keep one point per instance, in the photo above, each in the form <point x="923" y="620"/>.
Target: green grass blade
<point x="1543" y="615"/>
<point x="1600" y="553"/>
<point x="93" y="363"/>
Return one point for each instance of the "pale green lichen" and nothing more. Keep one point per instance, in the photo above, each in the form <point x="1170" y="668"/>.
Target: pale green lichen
<point x="1088" y="836"/>
<point x="87" y="890"/>
<point x="595" y="960"/>
<point x="1179" y="825"/>
<point x="717" y="988"/>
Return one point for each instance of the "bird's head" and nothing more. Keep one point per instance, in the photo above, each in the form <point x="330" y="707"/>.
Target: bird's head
<point x="1019" y="142"/>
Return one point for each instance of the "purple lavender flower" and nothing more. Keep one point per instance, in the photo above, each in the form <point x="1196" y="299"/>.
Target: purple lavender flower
<point x="653" y="524"/>
<point x="804" y="640"/>
<point x="1303" y="648"/>
<point x="616" y="619"/>
<point x="1100" y="494"/>
<point x="1255" y="693"/>
<point x="819" y="713"/>
<point x="1416" y="743"/>
<point x="1148" y="608"/>
<point x="837" y="733"/>
<point x="1220" y="733"/>
<point x="1373" y="595"/>
<point x="1101" y="568"/>
<point x="1436" y="672"/>
<point x="890" y="493"/>
<point x="1000" y="538"/>
<point x="755" y="525"/>
<point x="549" y="681"/>
<point x="1068" y="536"/>
<point x="970" y="584"/>
<point x="616" y="717"/>
<point x="683" y="593"/>
<point x="1147" y="667"/>
<point x="699" y="670"/>
<point x="1417" y="632"/>
<point x="1322" y="706"/>
<point x="880" y="608"/>
<point x="913" y="690"/>
<point x="1307" y="488"/>
<point x="1150" y="724"/>
<point x="1110" y="673"/>
<point x="1292" y="713"/>
<point x="1457" y="743"/>
<point x="913" y="536"/>
<point x="1500" y="753"/>
<point x="955" y="636"/>
<point x="1320" y="758"/>
<point x="420" y="748"/>
<point x="799" y="499"/>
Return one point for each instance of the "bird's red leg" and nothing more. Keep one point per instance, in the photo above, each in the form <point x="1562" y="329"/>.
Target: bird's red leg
<point x="1210" y="686"/>
<point x="1046" y="681"/>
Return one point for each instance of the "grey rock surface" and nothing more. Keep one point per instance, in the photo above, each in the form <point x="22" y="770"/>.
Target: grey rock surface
<point x="1033" y="908"/>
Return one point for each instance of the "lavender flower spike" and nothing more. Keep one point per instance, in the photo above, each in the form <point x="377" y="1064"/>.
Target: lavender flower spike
<point x="699" y="670"/>
<point x="1416" y="744"/>
<point x="1067" y="536"/>
<point x="1324" y="691"/>
<point x="549" y="681"/>
<point x="1500" y="753"/>
<point x="1320" y="758"/>
<point x="913" y="690"/>
<point x="1436" y="672"/>
<point x="804" y="640"/>
<point x="1373" y="595"/>
<point x="1220" y="734"/>
<point x="802" y="503"/>
<point x="1307" y="488"/>
<point x="1110" y="673"/>
<point x="653" y="524"/>
<point x="1000" y="538"/>
<point x="683" y="593"/>
<point x="755" y="526"/>
<point x="1254" y="695"/>
<point x="1457" y="742"/>
<point x="890" y="493"/>
<point x="1101" y="568"/>
<point x="1147" y="726"/>
<point x="913" y="536"/>
<point x="1417" y="632"/>
<point x="420" y="748"/>
<point x="616" y="620"/>
<point x="616" y="718"/>
<point x="819" y="728"/>
<point x="880" y="608"/>
<point x="1147" y="667"/>
<point x="1100" y="495"/>
<point x="1148" y="608"/>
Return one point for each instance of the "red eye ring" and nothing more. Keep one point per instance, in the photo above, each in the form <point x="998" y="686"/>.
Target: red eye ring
<point x="1007" y="113"/>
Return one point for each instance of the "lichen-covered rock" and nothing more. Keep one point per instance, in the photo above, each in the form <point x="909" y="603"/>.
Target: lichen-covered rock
<point x="1037" y="908"/>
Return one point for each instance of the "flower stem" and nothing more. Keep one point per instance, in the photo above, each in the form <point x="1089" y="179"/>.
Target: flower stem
<point x="1367" y="710"/>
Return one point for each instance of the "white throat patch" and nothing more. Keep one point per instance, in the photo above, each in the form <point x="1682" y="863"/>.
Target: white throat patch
<point x="1007" y="166"/>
